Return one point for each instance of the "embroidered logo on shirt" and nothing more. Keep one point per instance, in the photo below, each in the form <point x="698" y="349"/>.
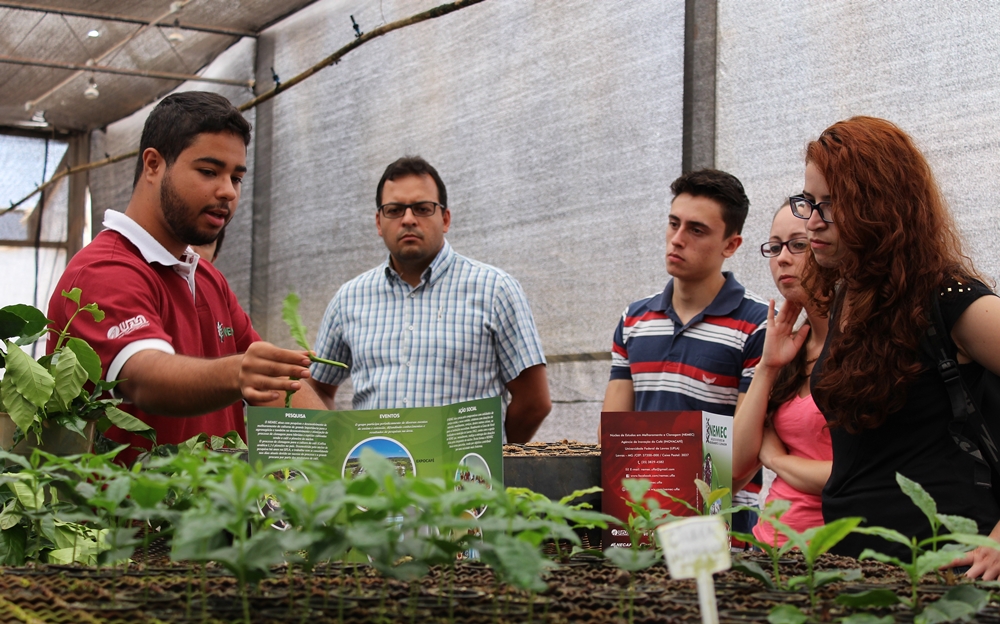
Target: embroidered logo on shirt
<point x="127" y="327"/>
<point x="223" y="331"/>
<point x="708" y="380"/>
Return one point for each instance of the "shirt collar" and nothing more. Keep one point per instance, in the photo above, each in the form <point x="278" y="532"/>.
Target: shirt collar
<point x="728" y="299"/>
<point x="150" y="248"/>
<point x="438" y="267"/>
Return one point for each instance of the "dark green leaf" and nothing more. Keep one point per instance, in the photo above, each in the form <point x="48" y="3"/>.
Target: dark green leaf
<point x="970" y="595"/>
<point x="116" y="490"/>
<point x="147" y="492"/>
<point x="88" y="358"/>
<point x="944" y="611"/>
<point x="750" y="538"/>
<point x="21" y="411"/>
<point x="32" y="381"/>
<point x="753" y="570"/>
<point x="868" y="553"/>
<point x="124" y="420"/>
<point x="870" y="598"/>
<point x="234" y="441"/>
<point x="825" y="577"/>
<point x="565" y="500"/>
<point x="69" y="376"/>
<point x="11" y="325"/>
<point x="121" y="543"/>
<point x="73" y="423"/>
<point x="920" y="497"/>
<point x="786" y="614"/>
<point x="886" y="534"/>
<point x="101" y="386"/>
<point x="931" y="561"/>
<point x="13" y="542"/>
<point x="795" y="539"/>
<point x="827" y="536"/>
<point x="194" y="441"/>
<point x="632" y="559"/>
<point x="35" y="323"/>
<point x="969" y="540"/>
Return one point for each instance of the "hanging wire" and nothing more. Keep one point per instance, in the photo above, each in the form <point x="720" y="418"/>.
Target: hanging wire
<point x="38" y="234"/>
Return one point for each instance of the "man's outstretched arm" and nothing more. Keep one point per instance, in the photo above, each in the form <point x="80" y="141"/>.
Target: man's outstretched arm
<point x="178" y="385"/>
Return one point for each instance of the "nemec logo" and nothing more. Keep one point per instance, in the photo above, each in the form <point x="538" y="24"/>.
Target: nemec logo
<point x="223" y="331"/>
<point x="716" y="433"/>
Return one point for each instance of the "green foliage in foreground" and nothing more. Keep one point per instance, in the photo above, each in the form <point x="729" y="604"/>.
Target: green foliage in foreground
<point x="53" y="389"/>
<point x="216" y="507"/>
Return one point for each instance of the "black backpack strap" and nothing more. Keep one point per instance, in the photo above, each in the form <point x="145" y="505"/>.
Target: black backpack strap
<point x="965" y="415"/>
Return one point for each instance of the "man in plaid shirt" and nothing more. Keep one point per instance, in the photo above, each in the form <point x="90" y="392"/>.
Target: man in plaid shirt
<point x="429" y="327"/>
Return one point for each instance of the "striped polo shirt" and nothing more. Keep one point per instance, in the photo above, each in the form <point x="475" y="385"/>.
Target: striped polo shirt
<point x="461" y="334"/>
<point x="703" y="365"/>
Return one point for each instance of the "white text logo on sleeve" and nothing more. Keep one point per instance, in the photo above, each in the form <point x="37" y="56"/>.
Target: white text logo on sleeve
<point x="127" y="327"/>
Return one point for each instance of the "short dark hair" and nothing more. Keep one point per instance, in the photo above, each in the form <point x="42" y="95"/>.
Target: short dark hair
<point x="175" y="122"/>
<point x="724" y="188"/>
<point x="407" y="166"/>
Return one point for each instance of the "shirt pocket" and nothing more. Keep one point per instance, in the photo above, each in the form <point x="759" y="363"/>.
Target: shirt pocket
<point x="464" y="350"/>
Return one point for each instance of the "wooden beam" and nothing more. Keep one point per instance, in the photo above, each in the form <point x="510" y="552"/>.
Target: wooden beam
<point x="140" y="73"/>
<point x="28" y="243"/>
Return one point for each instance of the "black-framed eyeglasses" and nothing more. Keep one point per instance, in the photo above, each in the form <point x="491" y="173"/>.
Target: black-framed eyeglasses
<point x="795" y="246"/>
<point x="803" y="208"/>
<point x="420" y="209"/>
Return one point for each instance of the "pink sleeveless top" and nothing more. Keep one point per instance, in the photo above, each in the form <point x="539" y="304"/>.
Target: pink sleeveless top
<point x="801" y="426"/>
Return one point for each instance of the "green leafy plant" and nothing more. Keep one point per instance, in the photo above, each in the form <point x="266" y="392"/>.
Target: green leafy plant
<point x="924" y="556"/>
<point x="226" y="525"/>
<point x="52" y="390"/>
<point x="812" y="543"/>
<point x="290" y="314"/>
<point x="773" y="509"/>
<point x="44" y="518"/>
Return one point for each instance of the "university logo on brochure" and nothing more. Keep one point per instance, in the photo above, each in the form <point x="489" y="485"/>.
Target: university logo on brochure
<point x="224" y="332"/>
<point x="127" y="327"/>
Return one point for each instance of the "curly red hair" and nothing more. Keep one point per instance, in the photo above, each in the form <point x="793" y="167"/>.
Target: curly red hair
<point x="900" y="243"/>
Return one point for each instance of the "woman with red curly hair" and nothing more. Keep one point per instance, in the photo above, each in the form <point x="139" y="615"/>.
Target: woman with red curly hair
<point x="883" y="246"/>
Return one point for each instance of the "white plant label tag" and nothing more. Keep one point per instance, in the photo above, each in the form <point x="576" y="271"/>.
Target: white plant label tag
<point x="695" y="548"/>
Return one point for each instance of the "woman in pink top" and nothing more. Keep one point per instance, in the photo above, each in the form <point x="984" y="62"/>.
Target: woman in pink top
<point x="778" y="424"/>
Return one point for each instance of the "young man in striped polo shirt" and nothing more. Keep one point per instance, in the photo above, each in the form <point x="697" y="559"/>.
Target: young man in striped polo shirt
<point x="694" y="345"/>
<point x="429" y="327"/>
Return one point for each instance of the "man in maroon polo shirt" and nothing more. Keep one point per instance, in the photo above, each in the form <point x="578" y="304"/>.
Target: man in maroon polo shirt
<point x="174" y="334"/>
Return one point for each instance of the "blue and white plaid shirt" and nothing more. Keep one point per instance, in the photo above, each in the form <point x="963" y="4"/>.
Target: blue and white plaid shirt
<point x="461" y="334"/>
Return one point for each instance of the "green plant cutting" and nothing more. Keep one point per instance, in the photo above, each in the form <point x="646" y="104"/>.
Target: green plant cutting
<point x="962" y="601"/>
<point x="290" y="314"/>
<point x="773" y="509"/>
<point x="52" y="390"/>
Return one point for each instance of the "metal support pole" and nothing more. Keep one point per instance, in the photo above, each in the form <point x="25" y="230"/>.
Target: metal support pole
<point x="698" y="135"/>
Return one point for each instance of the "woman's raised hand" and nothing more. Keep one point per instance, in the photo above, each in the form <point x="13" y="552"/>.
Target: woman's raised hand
<point x="781" y="343"/>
